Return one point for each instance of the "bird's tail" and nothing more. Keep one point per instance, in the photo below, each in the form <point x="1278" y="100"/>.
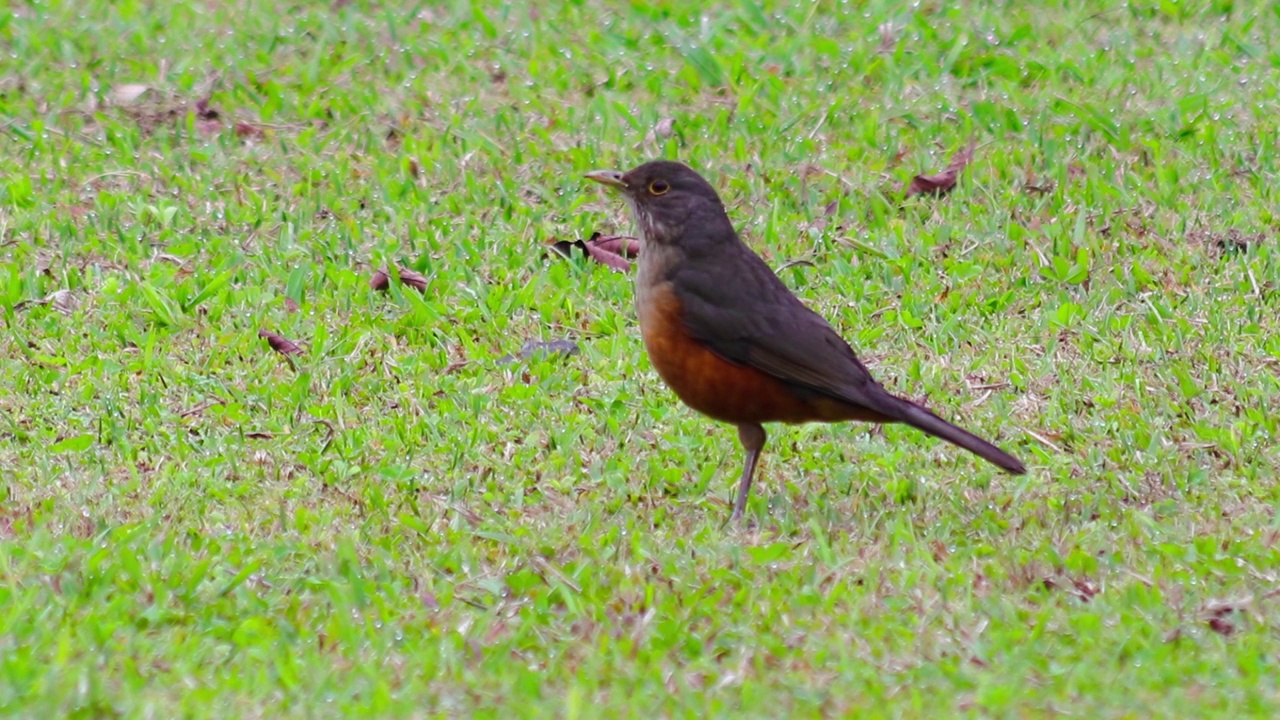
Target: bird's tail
<point x="918" y="417"/>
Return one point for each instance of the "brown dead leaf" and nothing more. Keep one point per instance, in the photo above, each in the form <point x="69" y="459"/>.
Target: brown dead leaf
<point x="1085" y="590"/>
<point x="944" y="182"/>
<point x="940" y="551"/>
<point x="208" y="120"/>
<point x="246" y="131"/>
<point x="290" y="304"/>
<point x="610" y="250"/>
<point x="381" y="279"/>
<point x="605" y="256"/>
<point x="1216" y="612"/>
<point x="280" y="344"/>
<point x="627" y="247"/>
<point x="205" y="111"/>
<point x="413" y="279"/>
<point x="259" y="435"/>
<point x="1222" y="627"/>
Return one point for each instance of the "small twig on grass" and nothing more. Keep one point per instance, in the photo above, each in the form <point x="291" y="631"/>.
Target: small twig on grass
<point x="328" y="438"/>
<point x="793" y="263"/>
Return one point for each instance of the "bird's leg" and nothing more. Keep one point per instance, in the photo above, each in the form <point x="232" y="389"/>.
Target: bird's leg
<point x="752" y="437"/>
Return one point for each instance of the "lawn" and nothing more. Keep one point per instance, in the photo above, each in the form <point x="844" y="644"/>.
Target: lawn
<point x="239" y="481"/>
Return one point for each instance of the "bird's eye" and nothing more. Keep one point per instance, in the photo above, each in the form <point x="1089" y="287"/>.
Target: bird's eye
<point x="659" y="187"/>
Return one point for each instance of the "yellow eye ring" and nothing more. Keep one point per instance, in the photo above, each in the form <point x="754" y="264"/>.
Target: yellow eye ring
<point x="659" y="187"/>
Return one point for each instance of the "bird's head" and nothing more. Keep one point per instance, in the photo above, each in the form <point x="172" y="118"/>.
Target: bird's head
<point x="665" y="197"/>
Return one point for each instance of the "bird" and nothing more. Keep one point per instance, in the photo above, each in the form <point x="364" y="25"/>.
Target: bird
<point x="732" y="341"/>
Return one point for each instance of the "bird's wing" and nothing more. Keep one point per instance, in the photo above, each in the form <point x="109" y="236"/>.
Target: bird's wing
<point x="742" y="312"/>
<point x="745" y="314"/>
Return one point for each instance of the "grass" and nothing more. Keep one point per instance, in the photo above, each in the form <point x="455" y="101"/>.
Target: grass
<point x="395" y="523"/>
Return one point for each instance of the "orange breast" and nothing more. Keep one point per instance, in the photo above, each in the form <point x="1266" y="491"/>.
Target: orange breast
<point x="714" y="386"/>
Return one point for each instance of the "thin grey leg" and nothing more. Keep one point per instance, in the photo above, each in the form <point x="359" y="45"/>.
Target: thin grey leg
<point x="752" y="437"/>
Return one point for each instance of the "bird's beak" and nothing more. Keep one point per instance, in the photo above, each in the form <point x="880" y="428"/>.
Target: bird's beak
<point x="612" y="178"/>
